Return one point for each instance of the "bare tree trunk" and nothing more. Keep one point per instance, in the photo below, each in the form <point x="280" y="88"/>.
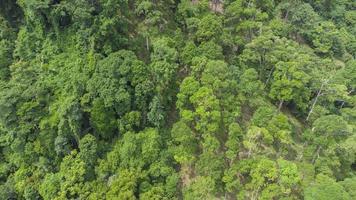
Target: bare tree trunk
<point x="260" y="69"/>
<point x="269" y="75"/>
<point x="280" y="105"/>
<point x="147" y="44"/>
<point x="250" y="34"/>
<point x="286" y="16"/>
<point x="343" y="102"/>
<point x="301" y="152"/>
<point x="316" y="155"/>
<point x="41" y="62"/>
<point x="315" y="100"/>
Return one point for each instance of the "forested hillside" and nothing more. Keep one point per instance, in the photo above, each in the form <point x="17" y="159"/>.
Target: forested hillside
<point x="177" y="99"/>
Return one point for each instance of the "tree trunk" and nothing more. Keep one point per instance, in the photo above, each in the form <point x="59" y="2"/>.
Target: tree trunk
<point x="269" y="75"/>
<point x="280" y="105"/>
<point x="286" y="16"/>
<point x="343" y="102"/>
<point x="316" y="154"/>
<point x="260" y="68"/>
<point x="147" y="44"/>
<point x="316" y="99"/>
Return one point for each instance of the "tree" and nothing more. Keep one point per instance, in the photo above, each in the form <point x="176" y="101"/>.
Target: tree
<point x="88" y="153"/>
<point x="328" y="87"/>
<point x="349" y="184"/>
<point x="290" y="84"/>
<point x="184" y="143"/>
<point x="244" y="20"/>
<point x="209" y="28"/>
<point x="201" y="188"/>
<point x="154" y="193"/>
<point x="265" y="171"/>
<point x="6" y="47"/>
<point x="330" y="128"/>
<point x="327" y="132"/>
<point x="49" y="187"/>
<point x="211" y="50"/>
<point x="117" y="99"/>
<point x="163" y="64"/>
<point x="258" y="141"/>
<point x="207" y="111"/>
<point x="72" y="172"/>
<point x="103" y="119"/>
<point x="289" y="180"/>
<point x="232" y="144"/>
<point x="269" y="179"/>
<point x="250" y="86"/>
<point x="156" y="114"/>
<point x="119" y="85"/>
<point x="123" y="186"/>
<point x="211" y="163"/>
<point x="163" y="68"/>
<point x="326" y="39"/>
<point x="325" y="188"/>
<point x="301" y="15"/>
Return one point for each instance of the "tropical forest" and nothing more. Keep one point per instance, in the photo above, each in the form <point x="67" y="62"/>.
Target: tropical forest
<point x="177" y="99"/>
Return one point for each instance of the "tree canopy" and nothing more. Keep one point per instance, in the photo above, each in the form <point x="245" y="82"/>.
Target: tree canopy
<point x="188" y="99"/>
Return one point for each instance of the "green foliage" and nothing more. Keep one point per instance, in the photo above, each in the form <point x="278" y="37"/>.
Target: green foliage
<point x="209" y="28"/>
<point x="244" y="19"/>
<point x="118" y="79"/>
<point x="49" y="187"/>
<point x="250" y="87"/>
<point x="326" y="39"/>
<point x="103" y="119"/>
<point x="349" y="184"/>
<point x="184" y="143"/>
<point x="290" y="83"/>
<point x="190" y="99"/>
<point x="123" y="186"/>
<point x="331" y="127"/>
<point x="233" y="141"/>
<point x="201" y="188"/>
<point x="326" y="188"/>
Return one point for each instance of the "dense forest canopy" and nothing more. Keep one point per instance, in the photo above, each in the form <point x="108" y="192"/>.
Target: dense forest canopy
<point x="177" y="99"/>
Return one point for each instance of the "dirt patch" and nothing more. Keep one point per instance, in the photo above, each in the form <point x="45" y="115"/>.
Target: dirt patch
<point x="216" y="6"/>
<point x="187" y="175"/>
